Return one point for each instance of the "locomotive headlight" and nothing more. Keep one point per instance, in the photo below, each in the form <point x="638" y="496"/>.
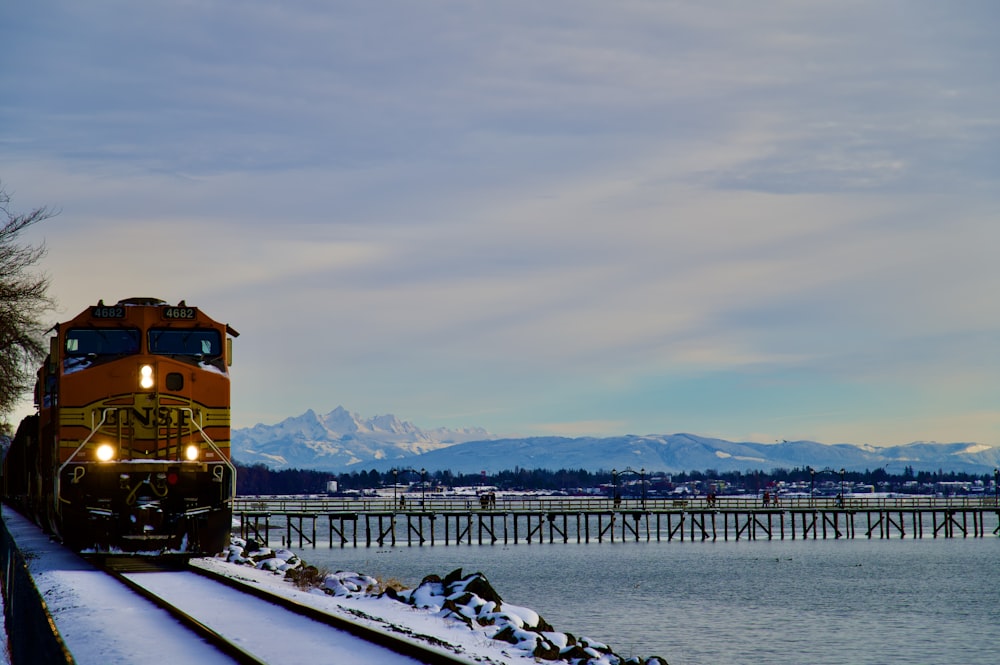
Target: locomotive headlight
<point x="191" y="453"/>
<point x="146" y="376"/>
<point x="105" y="452"/>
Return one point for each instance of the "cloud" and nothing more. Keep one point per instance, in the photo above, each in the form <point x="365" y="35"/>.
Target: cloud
<point x="502" y="209"/>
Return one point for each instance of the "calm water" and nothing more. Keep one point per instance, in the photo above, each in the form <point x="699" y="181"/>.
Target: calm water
<point x="811" y="602"/>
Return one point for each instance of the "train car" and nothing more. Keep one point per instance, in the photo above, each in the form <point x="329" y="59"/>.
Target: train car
<point x="129" y="449"/>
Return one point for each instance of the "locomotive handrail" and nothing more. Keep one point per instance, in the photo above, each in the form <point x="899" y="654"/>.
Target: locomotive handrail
<point x="56" y="481"/>
<point x="215" y="448"/>
<point x="104" y="417"/>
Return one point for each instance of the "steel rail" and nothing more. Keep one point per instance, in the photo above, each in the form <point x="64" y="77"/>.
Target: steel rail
<point x="213" y="637"/>
<point x="118" y="567"/>
<point x="399" y="645"/>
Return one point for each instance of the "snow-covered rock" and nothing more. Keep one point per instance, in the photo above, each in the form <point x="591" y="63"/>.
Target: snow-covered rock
<point x="472" y="600"/>
<point x="467" y="600"/>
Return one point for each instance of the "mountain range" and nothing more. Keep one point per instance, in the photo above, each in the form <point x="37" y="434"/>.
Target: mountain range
<point x="342" y="441"/>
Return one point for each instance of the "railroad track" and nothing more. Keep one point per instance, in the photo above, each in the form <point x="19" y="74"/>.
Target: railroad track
<point x="255" y="627"/>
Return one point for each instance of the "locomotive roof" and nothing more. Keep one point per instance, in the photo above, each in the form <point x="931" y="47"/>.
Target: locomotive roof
<point x="156" y="302"/>
<point x="141" y="301"/>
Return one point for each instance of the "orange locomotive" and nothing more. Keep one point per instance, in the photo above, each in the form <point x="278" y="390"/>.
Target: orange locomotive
<point x="129" y="449"/>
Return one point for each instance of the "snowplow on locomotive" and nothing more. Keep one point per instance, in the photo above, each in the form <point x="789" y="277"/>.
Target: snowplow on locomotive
<point x="129" y="448"/>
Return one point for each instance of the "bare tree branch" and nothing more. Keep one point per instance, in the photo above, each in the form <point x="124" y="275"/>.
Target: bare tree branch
<point x="23" y="302"/>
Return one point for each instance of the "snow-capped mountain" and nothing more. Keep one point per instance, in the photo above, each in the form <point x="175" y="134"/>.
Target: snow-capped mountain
<point x="340" y="439"/>
<point x="343" y="441"/>
<point x="687" y="452"/>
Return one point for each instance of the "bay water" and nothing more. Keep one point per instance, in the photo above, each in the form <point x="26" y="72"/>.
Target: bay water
<point x="754" y="602"/>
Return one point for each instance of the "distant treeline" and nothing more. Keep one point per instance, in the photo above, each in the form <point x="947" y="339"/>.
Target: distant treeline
<point x="258" y="479"/>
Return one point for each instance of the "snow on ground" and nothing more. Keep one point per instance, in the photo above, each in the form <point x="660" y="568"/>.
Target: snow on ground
<point x="271" y="634"/>
<point x="460" y="610"/>
<point x="100" y="621"/>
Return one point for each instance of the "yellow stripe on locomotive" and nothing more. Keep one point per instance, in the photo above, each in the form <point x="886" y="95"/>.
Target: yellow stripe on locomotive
<point x="175" y="429"/>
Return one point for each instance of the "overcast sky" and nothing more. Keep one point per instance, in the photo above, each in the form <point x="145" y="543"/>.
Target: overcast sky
<point x="753" y="220"/>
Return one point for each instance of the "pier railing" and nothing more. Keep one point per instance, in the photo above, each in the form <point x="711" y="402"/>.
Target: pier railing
<point x="457" y="519"/>
<point x="447" y="504"/>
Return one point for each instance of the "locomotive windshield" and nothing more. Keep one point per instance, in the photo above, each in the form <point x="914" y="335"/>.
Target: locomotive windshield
<point x="201" y="343"/>
<point x="85" y="346"/>
<point x="83" y="342"/>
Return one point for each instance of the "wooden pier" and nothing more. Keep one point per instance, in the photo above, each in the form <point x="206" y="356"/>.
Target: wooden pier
<point x="446" y="521"/>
